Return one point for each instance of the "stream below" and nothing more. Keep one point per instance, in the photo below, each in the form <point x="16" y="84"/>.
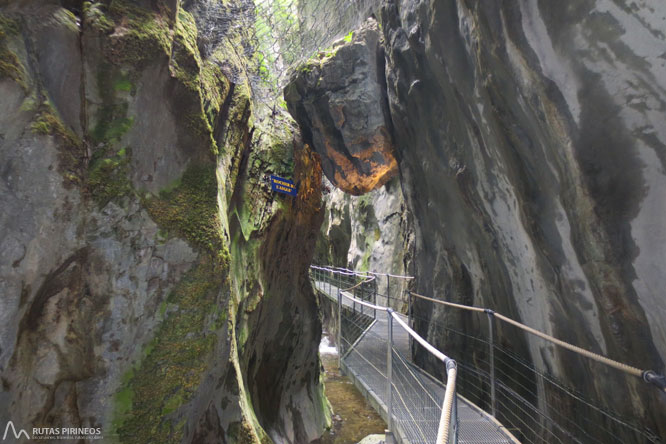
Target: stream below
<point x="353" y="417"/>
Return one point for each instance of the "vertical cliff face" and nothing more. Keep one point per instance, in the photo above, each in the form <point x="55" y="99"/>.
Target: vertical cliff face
<point x="531" y="144"/>
<point x="372" y="232"/>
<point x="531" y="141"/>
<point x="137" y="231"/>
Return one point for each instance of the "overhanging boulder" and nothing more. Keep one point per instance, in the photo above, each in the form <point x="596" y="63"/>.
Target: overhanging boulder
<point x="339" y="100"/>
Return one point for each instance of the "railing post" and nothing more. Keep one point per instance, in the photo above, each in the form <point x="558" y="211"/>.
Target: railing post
<point x="339" y="281"/>
<point x="491" y="360"/>
<point x="388" y="290"/>
<point x="409" y="309"/>
<point x="409" y="318"/>
<point x="354" y="292"/>
<point x="389" y="369"/>
<point x="339" y="328"/>
<point x="454" y="418"/>
<point x="374" y="301"/>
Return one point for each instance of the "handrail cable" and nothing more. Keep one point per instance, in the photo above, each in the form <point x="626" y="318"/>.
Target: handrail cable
<point x="449" y="394"/>
<point x="416" y="423"/>
<point x="370" y="279"/>
<point x="516" y="386"/>
<point x="416" y="378"/>
<point x="400" y="276"/>
<point x="594" y="356"/>
<point x="366" y="303"/>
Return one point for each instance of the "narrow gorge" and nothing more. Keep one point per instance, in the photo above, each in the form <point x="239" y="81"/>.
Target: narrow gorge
<point x="155" y="288"/>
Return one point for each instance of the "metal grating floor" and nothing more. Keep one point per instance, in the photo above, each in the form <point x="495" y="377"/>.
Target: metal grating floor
<point x="415" y="419"/>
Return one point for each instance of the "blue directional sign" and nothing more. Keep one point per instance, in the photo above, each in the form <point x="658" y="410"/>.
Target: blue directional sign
<point x="282" y="185"/>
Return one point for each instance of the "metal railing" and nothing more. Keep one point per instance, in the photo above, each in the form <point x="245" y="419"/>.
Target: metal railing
<point x="495" y="369"/>
<point x="534" y="405"/>
<point x="415" y="411"/>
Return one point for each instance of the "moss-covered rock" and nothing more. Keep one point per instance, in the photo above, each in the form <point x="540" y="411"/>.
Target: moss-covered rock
<point x="139" y="35"/>
<point x="168" y="346"/>
<point x="186" y="60"/>
<point x="205" y="86"/>
<point x="10" y="65"/>
<point x="111" y="121"/>
<point x="169" y="374"/>
<point x="189" y="210"/>
<point x="71" y="151"/>
<point x="107" y="175"/>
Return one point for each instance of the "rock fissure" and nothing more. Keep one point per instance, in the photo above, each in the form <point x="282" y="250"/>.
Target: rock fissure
<point x="151" y="303"/>
<point x="496" y="114"/>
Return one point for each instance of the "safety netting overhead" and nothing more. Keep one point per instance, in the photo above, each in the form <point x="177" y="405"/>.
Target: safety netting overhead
<point x="288" y="32"/>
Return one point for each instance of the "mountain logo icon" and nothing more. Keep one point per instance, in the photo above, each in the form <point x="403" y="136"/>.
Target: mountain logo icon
<point x="16" y="435"/>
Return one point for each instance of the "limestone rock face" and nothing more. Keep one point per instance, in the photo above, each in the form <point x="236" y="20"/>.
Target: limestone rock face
<point x="371" y="233"/>
<point x="133" y="294"/>
<point x="531" y="144"/>
<point x="339" y="100"/>
<point x="532" y="141"/>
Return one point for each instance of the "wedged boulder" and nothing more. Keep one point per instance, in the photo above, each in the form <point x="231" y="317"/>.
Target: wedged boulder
<point x="339" y="100"/>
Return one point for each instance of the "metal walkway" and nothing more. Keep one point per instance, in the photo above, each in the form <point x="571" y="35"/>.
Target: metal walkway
<point x="493" y="392"/>
<point x="416" y="396"/>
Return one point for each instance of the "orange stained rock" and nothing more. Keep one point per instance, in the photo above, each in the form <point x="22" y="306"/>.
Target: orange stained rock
<point x="308" y="174"/>
<point x="357" y="174"/>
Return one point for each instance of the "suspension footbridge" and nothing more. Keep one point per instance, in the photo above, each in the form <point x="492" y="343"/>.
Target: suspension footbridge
<point x="377" y="346"/>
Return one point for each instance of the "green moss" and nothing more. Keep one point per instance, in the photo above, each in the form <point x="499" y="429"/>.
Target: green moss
<point x="173" y="403"/>
<point x="190" y="210"/>
<point x="10" y="64"/>
<point x="186" y="61"/>
<point x="214" y="88"/>
<point x="95" y="17"/>
<point x="280" y="157"/>
<point x="123" y="84"/>
<point x="71" y="151"/>
<point x="242" y="433"/>
<point x="123" y="404"/>
<point x="146" y="408"/>
<point x="203" y="82"/>
<point x="107" y="175"/>
<point x="65" y="17"/>
<point x="8" y="26"/>
<point x="138" y="34"/>
<point x="111" y="120"/>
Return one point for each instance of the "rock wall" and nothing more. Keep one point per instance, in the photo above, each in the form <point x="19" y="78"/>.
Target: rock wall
<point x="530" y="139"/>
<point x="372" y="232"/>
<point x="339" y="101"/>
<point x="138" y="235"/>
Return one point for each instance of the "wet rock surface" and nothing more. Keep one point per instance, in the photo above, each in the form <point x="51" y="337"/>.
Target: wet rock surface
<point x="133" y="225"/>
<point x="372" y="232"/>
<point x="339" y="100"/>
<point x="531" y="141"/>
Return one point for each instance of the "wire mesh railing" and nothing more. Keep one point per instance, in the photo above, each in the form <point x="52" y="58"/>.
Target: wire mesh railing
<point x="495" y="371"/>
<point x="373" y="343"/>
<point x="535" y="405"/>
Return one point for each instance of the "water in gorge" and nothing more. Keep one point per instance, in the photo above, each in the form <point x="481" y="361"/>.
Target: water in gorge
<point x="353" y="418"/>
